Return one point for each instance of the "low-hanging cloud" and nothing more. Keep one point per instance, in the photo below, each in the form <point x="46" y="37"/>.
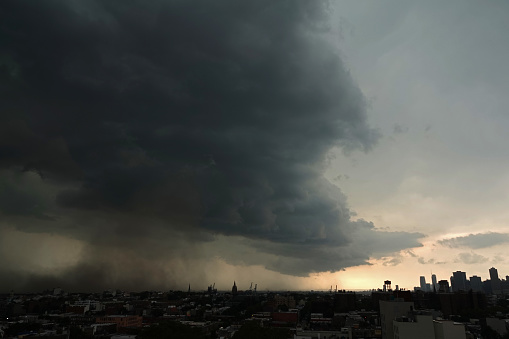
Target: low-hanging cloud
<point x="470" y="258"/>
<point x="183" y="122"/>
<point x="477" y="240"/>
<point x="431" y="261"/>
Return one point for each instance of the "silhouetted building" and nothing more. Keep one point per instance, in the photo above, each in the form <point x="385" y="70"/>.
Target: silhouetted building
<point x="212" y="288"/>
<point x="504" y="284"/>
<point x="459" y="281"/>
<point x="377" y="296"/>
<point x="495" y="281"/>
<point x="344" y="302"/>
<point x="423" y="284"/>
<point x="443" y="286"/>
<point x="494" y="274"/>
<point x="234" y="289"/>
<point x="486" y="286"/>
<point x="434" y="282"/>
<point x="476" y="283"/>
<point x="455" y="303"/>
<point x="389" y="311"/>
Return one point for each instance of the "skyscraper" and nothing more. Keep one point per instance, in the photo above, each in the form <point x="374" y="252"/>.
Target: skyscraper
<point x="423" y="284"/>
<point x="443" y="286"/>
<point x="495" y="281"/>
<point x="476" y="283"/>
<point x="459" y="281"/>
<point x="434" y="282"/>
<point x="493" y="273"/>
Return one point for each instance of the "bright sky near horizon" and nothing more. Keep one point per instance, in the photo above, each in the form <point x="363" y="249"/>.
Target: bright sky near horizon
<point x="435" y="75"/>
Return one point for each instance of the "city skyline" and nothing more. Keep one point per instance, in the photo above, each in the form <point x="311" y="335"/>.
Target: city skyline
<point x="469" y="282"/>
<point x="295" y="144"/>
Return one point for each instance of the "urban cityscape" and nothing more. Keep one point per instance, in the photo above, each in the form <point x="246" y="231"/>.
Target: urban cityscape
<point x="454" y="308"/>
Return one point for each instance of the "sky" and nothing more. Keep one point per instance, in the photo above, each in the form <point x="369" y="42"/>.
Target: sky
<point x="293" y="144"/>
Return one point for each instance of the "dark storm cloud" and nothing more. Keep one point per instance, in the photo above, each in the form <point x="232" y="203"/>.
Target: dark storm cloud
<point x="18" y="197"/>
<point x="475" y="241"/>
<point x="205" y="116"/>
<point x="364" y="241"/>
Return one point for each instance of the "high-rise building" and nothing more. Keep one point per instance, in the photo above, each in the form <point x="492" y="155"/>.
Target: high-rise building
<point x="476" y="283"/>
<point x="459" y="281"/>
<point x="434" y="282"/>
<point x="443" y="286"/>
<point x="495" y="281"/>
<point x="494" y="274"/>
<point x="423" y="284"/>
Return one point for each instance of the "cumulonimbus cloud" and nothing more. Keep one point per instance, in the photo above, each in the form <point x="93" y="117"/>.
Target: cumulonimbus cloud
<point x="198" y="118"/>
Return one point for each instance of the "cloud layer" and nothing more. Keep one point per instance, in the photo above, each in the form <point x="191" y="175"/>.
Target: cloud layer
<point x="125" y="125"/>
<point x="477" y="240"/>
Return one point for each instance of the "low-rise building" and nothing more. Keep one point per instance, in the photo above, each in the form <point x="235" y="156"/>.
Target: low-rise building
<point x="417" y="327"/>
<point x="122" y="320"/>
<point x="445" y="329"/>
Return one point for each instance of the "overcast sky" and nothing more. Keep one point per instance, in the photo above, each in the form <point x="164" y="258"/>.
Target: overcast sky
<point x="295" y="144"/>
